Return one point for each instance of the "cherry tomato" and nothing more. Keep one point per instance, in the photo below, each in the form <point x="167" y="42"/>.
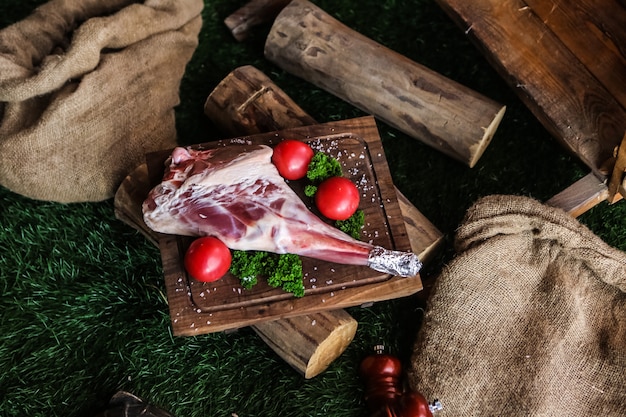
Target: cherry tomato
<point x="292" y="157"/>
<point x="337" y="198"/>
<point x="207" y="259"/>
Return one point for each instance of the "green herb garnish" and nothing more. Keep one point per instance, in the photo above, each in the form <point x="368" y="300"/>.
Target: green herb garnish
<point x="322" y="167"/>
<point x="352" y="225"/>
<point x="284" y="270"/>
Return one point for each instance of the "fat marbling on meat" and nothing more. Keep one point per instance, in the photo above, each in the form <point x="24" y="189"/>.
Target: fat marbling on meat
<point x="236" y="194"/>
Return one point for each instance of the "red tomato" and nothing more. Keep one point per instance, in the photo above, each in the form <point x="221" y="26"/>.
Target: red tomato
<point x="337" y="198"/>
<point x="207" y="259"/>
<point x="292" y="158"/>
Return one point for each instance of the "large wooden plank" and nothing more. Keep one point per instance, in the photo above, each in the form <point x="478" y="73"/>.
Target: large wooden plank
<point x="595" y="31"/>
<point x="555" y="85"/>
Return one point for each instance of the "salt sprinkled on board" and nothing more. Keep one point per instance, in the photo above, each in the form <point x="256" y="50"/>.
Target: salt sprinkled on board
<point x="240" y="141"/>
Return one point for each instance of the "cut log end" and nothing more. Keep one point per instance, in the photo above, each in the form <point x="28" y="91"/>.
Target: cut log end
<point x="480" y="146"/>
<point x="333" y="346"/>
<point x="309" y="343"/>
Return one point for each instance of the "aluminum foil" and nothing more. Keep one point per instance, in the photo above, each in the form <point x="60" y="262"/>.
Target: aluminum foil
<point x="403" y="264"/>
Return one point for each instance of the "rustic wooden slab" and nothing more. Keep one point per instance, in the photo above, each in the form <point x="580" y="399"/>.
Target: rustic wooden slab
<point x="197" y="308"/>
<point x="565" y="60"/>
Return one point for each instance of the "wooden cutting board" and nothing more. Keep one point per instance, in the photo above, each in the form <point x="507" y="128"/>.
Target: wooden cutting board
<point x="197" y="307"/>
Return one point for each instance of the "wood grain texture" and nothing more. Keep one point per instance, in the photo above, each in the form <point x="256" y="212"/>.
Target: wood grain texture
<point x="446" y="115"/>
<point x="560" y="90"/>
<point x="587" y="192"/>
<point x="595" y="32"/>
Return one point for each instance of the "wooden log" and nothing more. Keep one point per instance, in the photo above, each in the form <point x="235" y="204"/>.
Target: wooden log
<point x="252" y="14"/>
<point x="309" y="343"/>
<point x="565" y="63"/>
<point x="248" y="102"/>
<point x="425" y="105"/>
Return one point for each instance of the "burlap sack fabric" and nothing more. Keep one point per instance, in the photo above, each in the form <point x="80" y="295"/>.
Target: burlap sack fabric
<point x="529" y="319"/>
<point x="87" y="88"/>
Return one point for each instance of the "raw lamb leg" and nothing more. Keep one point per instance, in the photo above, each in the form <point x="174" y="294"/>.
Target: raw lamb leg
<point x="236" y="194"/>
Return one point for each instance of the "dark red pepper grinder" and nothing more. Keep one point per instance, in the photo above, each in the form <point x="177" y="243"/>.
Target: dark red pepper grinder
<point x="384" y="393"/>
<point x="381" y="373"/>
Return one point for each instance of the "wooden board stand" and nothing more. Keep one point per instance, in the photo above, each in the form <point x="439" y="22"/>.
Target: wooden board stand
<point x="425" y="105"/>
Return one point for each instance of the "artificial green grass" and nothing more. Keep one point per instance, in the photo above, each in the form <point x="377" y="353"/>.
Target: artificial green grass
<point x="83" y="306"/>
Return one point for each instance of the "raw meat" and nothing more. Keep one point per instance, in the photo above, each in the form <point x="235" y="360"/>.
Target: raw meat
<point x="236" y="194"/>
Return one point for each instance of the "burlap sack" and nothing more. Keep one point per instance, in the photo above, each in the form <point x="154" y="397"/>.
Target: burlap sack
<point x="87" y="87"/>
<point x="528" y="320"/>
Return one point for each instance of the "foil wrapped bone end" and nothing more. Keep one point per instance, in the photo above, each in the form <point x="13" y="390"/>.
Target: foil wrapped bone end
<point x="403" y="264"/>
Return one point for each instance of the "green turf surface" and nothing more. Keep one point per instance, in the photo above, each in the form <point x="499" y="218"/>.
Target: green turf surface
<point x="83" y="310"/>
